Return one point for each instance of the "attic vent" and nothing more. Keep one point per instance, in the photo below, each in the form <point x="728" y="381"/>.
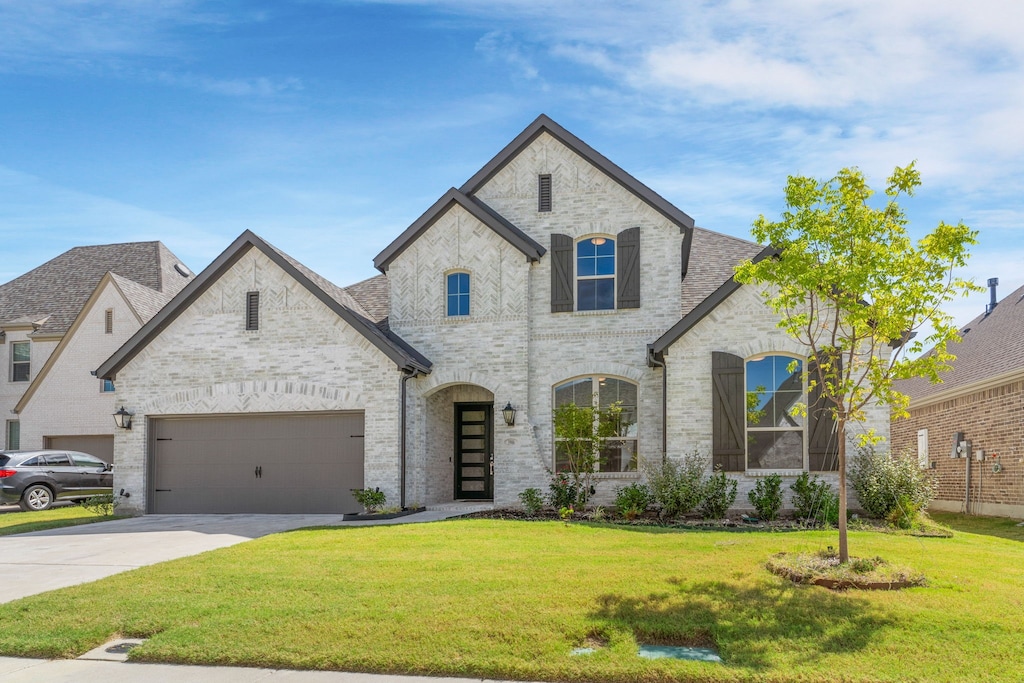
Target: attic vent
<point x="108" y="321"/>
<point x="544" y="192"/>
<point x="252" y="311"/>
<point x="182" y="270"/>
<point x="965" y="331"/>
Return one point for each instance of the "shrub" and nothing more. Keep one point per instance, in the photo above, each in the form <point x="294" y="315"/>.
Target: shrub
<point x="767" y="497"/>
<point x="814" y="499"/>
<point x="718" y="493"/>
<point x="904" y="514"/>
<point x="676" y="486"/>
<point x="102" y="504"/>
<point x="564" y="491"/>
<point x="532" y="501"/>
<point x="633" y="500"/>
<point x="884" y="483"/>
<point x="372" y="500"/>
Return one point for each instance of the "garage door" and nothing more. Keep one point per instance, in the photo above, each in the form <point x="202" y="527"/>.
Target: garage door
<point x="298" y="464"/>
<point x="94" y="444"/>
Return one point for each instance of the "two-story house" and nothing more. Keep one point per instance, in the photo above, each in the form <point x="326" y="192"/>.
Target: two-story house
<point x="550" y="276"/>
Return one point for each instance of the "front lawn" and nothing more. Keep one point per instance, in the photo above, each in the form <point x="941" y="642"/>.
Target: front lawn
<point x="501" y="599"/>
<point x="23" y="522"/>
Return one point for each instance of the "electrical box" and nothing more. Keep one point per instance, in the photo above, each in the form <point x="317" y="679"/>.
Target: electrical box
<point x="955" y="452"/>
<point x="979" y="455"/>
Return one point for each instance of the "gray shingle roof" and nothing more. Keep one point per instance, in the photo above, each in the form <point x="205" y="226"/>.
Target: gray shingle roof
<point x="373" y="295"/>
<point x="146" y="302"/>
<point x="991" y="346"/>
<point x="713" y="256"/>
<point x="59" y="288"/>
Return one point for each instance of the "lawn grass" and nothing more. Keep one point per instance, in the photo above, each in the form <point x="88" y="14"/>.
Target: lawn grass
<point x="502" y="599"/>
<point x="23" y="522"/>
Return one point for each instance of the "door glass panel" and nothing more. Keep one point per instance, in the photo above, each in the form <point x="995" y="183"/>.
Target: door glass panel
<point x="473" y="416"/>
<point x="472" y="471"/>
<point x="473" y="430"/>
<point x="472" y="458"/>
<point x="472" y="443"/>
<point x="472" y="486"/>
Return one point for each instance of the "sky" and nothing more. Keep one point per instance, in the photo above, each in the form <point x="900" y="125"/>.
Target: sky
<point x="328" y="126"/>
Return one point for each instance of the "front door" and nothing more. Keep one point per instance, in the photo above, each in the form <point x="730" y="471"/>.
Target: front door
<point x="474" y="451"/>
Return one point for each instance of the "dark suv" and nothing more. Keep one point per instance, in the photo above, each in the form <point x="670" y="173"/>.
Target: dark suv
<point x="36" y="479"/>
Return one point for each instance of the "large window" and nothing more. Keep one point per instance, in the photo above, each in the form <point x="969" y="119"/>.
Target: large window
<point x="21" y="355"/>
<point x="775" y="434"/>
<point x="458" y="294"/>
<point x="595" y="274"/>
<point x="620" y="452"/>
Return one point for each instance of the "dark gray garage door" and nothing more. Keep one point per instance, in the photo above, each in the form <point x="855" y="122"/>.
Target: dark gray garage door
<point x="298" y="464"/>
<point x="94" y="444"/>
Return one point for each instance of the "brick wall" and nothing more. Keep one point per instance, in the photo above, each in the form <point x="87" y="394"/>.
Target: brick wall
<point x="993" y="420"/>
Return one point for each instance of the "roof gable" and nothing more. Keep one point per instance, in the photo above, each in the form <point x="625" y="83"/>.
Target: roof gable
<point x="335" y="298"/>
<point x="476" y="208"/>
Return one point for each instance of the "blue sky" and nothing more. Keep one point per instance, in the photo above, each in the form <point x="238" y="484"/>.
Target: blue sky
<point x="328" y="126"/>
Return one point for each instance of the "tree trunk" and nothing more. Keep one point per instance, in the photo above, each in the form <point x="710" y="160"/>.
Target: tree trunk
<point x="844" y="553"/>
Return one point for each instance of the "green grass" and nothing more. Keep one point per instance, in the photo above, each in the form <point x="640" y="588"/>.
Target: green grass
<point x="54" y="518"/>
<point x="502" y="599"/>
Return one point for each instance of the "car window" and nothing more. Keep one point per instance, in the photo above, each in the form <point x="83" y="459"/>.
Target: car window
<point x="61" y="459"/>
<point x="32" y="462"/>
<point x="4" y="459"/>
<point x="83" y="460"/>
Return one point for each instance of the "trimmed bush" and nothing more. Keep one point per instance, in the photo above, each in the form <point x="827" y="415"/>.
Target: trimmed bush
<point x="633" y="500"/>
<point x="814" y="499"/>
<point x="532" y="501"/>
<point x="884" y="483"/>
<point x="676" y="486"/>
<point x="767" y="497"/>
<point x="718" y="493"/>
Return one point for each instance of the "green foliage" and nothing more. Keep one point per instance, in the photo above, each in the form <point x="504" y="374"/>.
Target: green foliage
<point x="102" y="504"/>
<point x="676" y="486"/>
<point x="718" y="493"/>
<point x="633" y="500"/>
<point x="814" y="499"/>
<point x="767" y="497"/>
<point x="887" y="485"/>
<point x="564" y="491"/>
<point x="532" y="501"/>
<point x="580" y="436"/>
<point x="372" y="500"/>
<point x="905" y="514"/>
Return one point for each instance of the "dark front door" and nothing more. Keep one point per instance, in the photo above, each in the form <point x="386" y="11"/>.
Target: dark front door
<point x="474" y="452"/>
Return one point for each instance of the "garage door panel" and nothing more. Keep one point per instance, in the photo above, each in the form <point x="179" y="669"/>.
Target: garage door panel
<point x="99" y="445"/>
<point x="266" y="464"/>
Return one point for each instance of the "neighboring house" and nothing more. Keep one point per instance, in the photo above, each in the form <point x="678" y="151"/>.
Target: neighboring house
<point x="982" y="400"/>
<point x="58" y="322"/>
<point x="550" y="276"/>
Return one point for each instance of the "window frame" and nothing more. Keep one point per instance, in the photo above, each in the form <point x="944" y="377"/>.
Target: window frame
<point x="104" y="383"/>
<point x="613" y="277"/>
<point x="12" y="427"/>
<point x="802" y="429"/>
<point x="467" y="295"/>
<point x="15" y="363"/>
<point x="595" y="382"/>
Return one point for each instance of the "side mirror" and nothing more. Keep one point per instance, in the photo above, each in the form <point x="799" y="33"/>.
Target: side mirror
<point x="108" y="467"/>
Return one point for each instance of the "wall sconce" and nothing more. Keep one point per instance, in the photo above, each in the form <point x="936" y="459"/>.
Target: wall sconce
<point x="509" y="414"/>
<point x="123" y="419"/>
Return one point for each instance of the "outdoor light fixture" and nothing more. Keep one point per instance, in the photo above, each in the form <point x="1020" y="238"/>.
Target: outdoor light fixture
<point x="510" y="414"/>
<point x="123" y="419"/>
<point x="597" y="241"/>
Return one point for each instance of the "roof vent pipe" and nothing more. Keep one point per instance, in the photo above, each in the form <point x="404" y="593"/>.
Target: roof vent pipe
<point x="993" y="282"/>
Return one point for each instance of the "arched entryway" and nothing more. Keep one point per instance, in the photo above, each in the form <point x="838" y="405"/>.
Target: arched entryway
<point x="460" y="444"/>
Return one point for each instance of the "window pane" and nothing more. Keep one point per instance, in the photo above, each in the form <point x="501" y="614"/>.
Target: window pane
<point x="108" y="385"/>
<point x="84" y="460"/>
<point x="21" y="351"/>
<point x="578" y="391"/>
<point x="784" y="403"/>
<point x="20" y="372"/>
<point x="619" y="456"/>
<point x="14" y="435"/>
<point x="596" y="295"/>
<point x="60" y="459"/>
<point x="458" y="294"/>
<point x="782" y="450"/>
<point x="611" y="390"/>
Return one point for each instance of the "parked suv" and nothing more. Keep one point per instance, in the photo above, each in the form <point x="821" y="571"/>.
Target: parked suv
<point x="35" y="479"/>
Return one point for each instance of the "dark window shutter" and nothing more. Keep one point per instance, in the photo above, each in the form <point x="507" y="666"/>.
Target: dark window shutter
<point x="728" y="417"/>
<point x="252" y="311"/>
<point x="629" y="268"/>
<point x="544" y="192"/>
<point x="822" y="439"/>
<point x="561" y="274"/>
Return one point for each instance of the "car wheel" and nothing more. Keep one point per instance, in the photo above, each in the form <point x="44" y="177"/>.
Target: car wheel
<point x="37" y="497"/>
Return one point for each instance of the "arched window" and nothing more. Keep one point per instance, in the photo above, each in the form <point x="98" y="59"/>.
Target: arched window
<point x="458" y="294"/>
<point x="601" y="392"/>
<point x="595" y="274"/>
<point x="776" y="437"/>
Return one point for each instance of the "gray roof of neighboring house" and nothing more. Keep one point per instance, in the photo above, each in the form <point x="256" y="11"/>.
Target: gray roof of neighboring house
<point x="990" y="346"/>
<point x="59" y="288"/>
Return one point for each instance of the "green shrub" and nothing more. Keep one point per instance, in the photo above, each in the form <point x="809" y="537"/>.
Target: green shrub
<point x="718" y="493"/>
<point x="904" y="514"/>
<point x="676" y="486"/>
<point x="767" y="497"/>
<point x="884" y="483"/>
<point x="532" y="501"/>
<point x="372" y="500"/>
<point x="102" y="504"/>
<point x="633" y="500"/>
<point x="565" y="491"/>
<point x="814" y="499"/>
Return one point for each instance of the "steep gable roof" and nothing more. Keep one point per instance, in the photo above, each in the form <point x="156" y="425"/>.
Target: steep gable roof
<point x="374" y="295"/>
<point x="991" y="347"/>
<point x="334" y="297"/>
<point x="543" y="124"/>
<point x="59" y="288"/>
<point x="476" y="208"/>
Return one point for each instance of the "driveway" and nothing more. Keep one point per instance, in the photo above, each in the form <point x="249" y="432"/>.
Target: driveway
<point x="45" y="560"/>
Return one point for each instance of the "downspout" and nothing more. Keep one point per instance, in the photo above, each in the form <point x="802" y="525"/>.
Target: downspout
<point x="967" y="487"/>
<point x="407" y="374"/>
<point x="655" y="362"/>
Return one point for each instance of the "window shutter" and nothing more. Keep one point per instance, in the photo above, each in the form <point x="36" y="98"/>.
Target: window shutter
<point x="252" y="311"/>
<point x="628" y="246"/>
<point x="728" y="418"/>
<point x="544" y="192"/>
<point x="822" y="440"/>
<point x="561" y="274"/>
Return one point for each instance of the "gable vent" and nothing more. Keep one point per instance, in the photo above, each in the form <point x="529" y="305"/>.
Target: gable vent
<point x="252" y="311"/>
<point x="108" y="321"/>
<point x="544" y="192"/>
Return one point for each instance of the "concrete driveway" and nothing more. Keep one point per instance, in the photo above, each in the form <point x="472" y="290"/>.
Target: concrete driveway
<point x="45" y="560"/>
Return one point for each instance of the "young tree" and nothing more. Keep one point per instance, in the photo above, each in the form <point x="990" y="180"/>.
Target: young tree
<point x="581" y="433"/>
<point x="850" y="284"/>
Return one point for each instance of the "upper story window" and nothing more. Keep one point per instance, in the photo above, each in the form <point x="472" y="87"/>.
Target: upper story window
<point x="458" y="294"/>
<point x="21" y="356"/>
<point x="106" y="385"/>
<point x="600" y="393"/>
<point x="544" y="192"/>
<point x="775" y="434"/>
<point x="595" y="268"/>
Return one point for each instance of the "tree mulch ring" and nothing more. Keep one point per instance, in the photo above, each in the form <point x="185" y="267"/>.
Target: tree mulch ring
<point x="824" y="569"/>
